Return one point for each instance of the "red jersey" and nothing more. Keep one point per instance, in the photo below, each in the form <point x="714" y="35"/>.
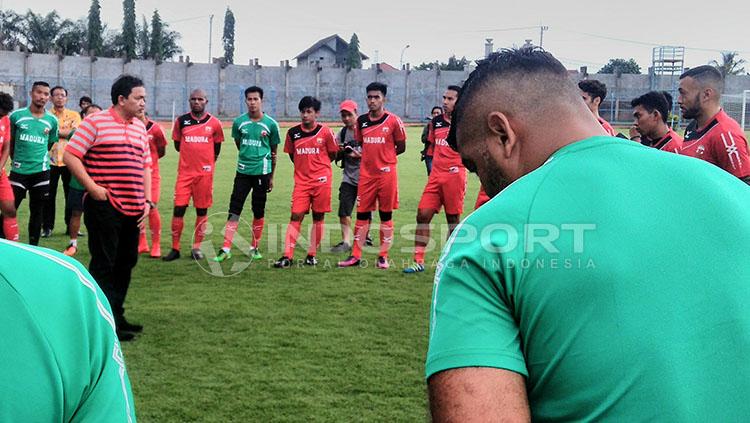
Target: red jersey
<point x="197" y="138"/>
<point x="4" y="130"/>
<point x="310" y="151"/>
<point x="378" y="139"/>
<point x="156" y="140"/>
<point x="670" y="142"/>
<point x="607" y="127"/>
<point x="445" y="160"/>
<point x="721" y="142"/>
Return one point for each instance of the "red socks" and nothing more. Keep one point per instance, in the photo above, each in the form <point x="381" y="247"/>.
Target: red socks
<point x="177" y="225"/>
<point x="360" y="235"/>
<point x="386" y="237"/>
<point x="290" y="241"/>
<point x="316" y="236"/>
<point x="200" y="230"/>
<point x="257" y="231"/>
<point x="10" y="228"/>
<point x="229" y="230"/>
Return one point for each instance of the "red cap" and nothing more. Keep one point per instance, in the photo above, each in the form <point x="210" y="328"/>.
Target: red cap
<point x="348" y="105"/>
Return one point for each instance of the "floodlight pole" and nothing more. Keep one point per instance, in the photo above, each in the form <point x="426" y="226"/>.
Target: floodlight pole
<point x="210" y="34"/>
<point x="401" y="61"/>
<point x="542" y="28"/>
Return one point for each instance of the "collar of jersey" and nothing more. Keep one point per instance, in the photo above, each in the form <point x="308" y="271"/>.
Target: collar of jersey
<point x="583" y="144"/>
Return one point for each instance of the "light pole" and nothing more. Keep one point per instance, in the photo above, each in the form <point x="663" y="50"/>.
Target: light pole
<point x="210" y="34"/>
<point x="401" y="62"/>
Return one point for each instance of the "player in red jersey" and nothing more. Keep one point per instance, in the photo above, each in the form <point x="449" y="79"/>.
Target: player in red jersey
<point x="446" y="185"/>
<point x="157" y="142"/>
<point x="311" y="147"/>
<point x="7" y="200"/>
<point x="594" y="92"/>
<point x="712" y="136"/>
<point x="382" y="137"/>
<point x="197" y="137"/>
<point x="650" y="113"/>
<point x="482" y="198"/>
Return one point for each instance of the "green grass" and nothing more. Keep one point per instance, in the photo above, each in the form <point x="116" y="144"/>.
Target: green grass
<point x="298" y="344"/>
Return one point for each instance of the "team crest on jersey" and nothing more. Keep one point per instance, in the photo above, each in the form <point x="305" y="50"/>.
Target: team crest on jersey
<point x="209" y="130"/>
<point x="319" y="140"/>
<point x="264" y="133"/>
<point x="701" y="149"/>
<point x="385" y="129"/>
<point x="46" y="131"/>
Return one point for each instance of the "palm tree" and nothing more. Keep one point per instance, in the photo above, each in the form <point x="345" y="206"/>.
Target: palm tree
<point x="730" y="64"/>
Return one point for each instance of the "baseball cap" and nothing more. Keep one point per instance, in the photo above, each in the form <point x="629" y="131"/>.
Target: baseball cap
<point x="348" y="105"/>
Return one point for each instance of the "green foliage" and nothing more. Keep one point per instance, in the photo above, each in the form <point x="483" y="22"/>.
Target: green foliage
<point x="453" y="64"/>
<point x="354" y="57"/>
<point x="129" y="30"/>
<point x="12" y="34"/>
<point x="72" y="38"/>
<point x="730" y="64"/>
<point x="41" y="31"/>
<point x="144" y="40"/>
<point x="621" y="66"/>
<point x="228" y="37"/>
<point x="156" y="50"/>
<point x="95" y="31"/>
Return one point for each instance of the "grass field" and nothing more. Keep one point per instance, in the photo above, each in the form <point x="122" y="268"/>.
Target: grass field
<point x="300" y="344"/>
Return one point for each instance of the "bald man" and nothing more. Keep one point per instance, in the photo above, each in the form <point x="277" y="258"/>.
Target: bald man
<point x="562" y="299"/>
<point x="197" y="137"/>
<point x="712" y="136"/>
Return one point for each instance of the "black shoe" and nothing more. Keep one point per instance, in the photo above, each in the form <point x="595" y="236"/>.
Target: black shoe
<point x="283" y="263"/>
<point x="311" y="261"/>
<point x="173" y="255"/>
<point x="125" y="336"/>
<point x="197" y="254"/>
<point x="81" y="234"/>
<point x="46" y="233"/>
<point x="126" y="326"/>
<point x="368" y="241"/>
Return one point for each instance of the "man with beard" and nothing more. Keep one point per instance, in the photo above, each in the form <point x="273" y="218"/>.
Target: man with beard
<point x="561" y="300"/>
<point x="712" y="136"/>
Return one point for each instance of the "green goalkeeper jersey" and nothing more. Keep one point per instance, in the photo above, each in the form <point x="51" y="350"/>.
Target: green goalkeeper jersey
<point x="255" y="141"/>
<point x="32" y="139"/>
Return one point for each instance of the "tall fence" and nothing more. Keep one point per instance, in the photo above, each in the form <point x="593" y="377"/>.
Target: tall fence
<point x="411" y="93"/>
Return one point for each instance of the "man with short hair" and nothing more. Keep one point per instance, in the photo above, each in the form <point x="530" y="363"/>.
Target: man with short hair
<point x="650" y="113"/>
<point x="256" y="136"/>
<point x="33" y="131"/>
<point x="712" y="136"/>
<point x="446" y="185"/>
<point x="350" y="153"/>
<point x="383" y="138"/>
<point x="428" y="151"/>
<point x="67" y="121"/>
<point x="109" y="155"/>
<point x="561" y="299"/>
<point x="311" y="147"/>
<point x="7" y="200"/>
<point x="593" y="93"/>
<point x="84" y="103"/>
<point x="197" y="137"/>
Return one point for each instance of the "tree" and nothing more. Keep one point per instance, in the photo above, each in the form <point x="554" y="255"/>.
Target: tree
<point x="95" y="32"/>
<point x="12" y="34"/>
<point x="454" y="64"/>
<point x="228" y="37"/>
<point x="156" y="50"/>
<point x="129" y="29"/>
<point x="72" y="39"/>
<point x="170" y="43"/>
<point x="730" y="64"/>
<point x="621" y="66"/>
<point x="112" y="43"/>
<point x="354" y="57"/>
<point x="144" y="40"/>
<point x="41" y="31"/>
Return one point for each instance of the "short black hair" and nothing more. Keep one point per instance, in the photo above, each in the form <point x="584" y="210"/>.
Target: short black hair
<point x="593" y="88"/>
<point x="377" y="86"/>
<point x="39" y="84"/>
<point x="706" y="74"/>
<point x="6" y="103"/>
<point x="436" y="108"/>
<point x="254" y="89"/>
<point x="654" y="100"/>
<point x="86" y="99"/>
<point x="309" y="101"/>
<point x="523" y="61"/>
<point x="90" y="106"/>
<point x="58" y="87"/>
<point x="455" y="88"/>
<point x="123" y="86"/>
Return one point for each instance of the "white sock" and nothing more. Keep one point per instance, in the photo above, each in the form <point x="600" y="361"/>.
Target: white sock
<point x="74" y="242"/>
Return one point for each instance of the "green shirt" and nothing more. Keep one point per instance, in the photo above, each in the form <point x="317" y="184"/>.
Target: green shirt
<point x="255" y="141"/>
<point x="615" y="278"/>
<point x="60" y="360"/>
<point x="32" y="138"/>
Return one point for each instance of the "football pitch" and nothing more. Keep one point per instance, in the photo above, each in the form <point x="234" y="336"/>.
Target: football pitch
<point x="246" y="342"/>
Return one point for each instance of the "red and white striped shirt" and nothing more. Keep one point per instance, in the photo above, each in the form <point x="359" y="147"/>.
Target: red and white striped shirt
<point x="115" y="154"/>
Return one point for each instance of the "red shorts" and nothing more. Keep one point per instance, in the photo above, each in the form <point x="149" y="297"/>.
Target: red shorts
<point x="315" y="196"/>
<point x="381" y="190"/>
<point x="445" y="189"/>
<point x="482" y="198"/>
<point x="200" y="187"/>
<point x="155" y="187"/>
<point x="6" y="192"/>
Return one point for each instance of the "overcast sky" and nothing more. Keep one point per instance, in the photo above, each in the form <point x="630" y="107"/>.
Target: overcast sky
<point x="580" y="33"/>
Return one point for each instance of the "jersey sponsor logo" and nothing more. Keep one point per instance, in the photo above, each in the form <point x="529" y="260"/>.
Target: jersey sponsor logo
<point x="33" y="138"/>
<point x="453" y="169"/>
<point x="196" y="138"/>
<point x="442" y="142"/>
<point x="252" y="143"/>
<point x="23" y="126"/>
<point x="373" y="140"/>
<point x="307" y="150"/>
<point x="240" y="166"/>
<point x="438" y="124"/>
<point x="732" y="151"/>
<point x="206" y="168"/>
<point x="386" y="169"/>
<point x="186" y="122"/>
<point x="297" y="135"/>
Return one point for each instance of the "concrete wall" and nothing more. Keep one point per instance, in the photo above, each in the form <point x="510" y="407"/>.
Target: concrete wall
<point x="411" y="94"/>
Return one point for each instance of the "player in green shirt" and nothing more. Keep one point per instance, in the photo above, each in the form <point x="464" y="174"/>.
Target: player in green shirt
<point x="256" y="135"/>
<point x="33" y="132"/>
<point x="59" y="357"/>
<point x="607" y="282"/>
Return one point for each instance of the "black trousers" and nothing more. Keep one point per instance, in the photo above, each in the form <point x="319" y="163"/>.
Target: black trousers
<point x="113" y="244"/>
<point x="37" y="184"/>
<point x="243" y="185"/>
<point x="55" y="174"/>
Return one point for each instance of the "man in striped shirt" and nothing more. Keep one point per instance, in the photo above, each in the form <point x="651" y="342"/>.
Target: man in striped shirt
<point x="110" y="156"/>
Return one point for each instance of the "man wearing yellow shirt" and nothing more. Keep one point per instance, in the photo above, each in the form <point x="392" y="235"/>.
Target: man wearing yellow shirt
<point x="68" y="121"/>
